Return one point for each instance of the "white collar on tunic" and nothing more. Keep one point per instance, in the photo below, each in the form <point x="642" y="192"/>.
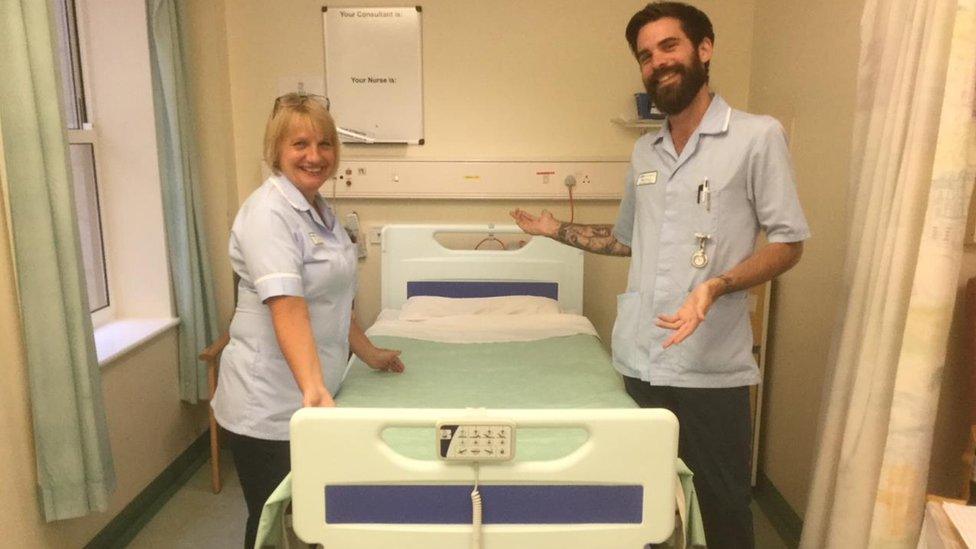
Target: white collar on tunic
<point x="290" y="192"/>
<point x="297" y="200"/>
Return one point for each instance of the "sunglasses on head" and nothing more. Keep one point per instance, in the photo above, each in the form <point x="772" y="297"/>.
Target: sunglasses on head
<point x="295" y="99"/>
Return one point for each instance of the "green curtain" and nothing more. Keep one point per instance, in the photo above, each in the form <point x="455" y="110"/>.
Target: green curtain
<point x="182" y="205"/>
<point x="74" y="462"/>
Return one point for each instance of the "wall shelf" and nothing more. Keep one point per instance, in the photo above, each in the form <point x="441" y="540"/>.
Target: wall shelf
<point x="638" y="123"/>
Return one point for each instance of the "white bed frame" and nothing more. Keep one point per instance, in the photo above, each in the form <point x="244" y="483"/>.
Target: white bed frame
<point x="411" y="253"/>
<point x="344" y="446"/>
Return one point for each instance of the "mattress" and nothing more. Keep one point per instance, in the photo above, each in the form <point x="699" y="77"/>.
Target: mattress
<point x="556" y="372"/>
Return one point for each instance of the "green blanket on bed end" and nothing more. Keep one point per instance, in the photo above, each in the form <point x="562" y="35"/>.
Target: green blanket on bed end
<point x="561" y="372"/>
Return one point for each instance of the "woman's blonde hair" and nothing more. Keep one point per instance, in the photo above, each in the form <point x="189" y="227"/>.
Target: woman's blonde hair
<point x="312" y="109"/>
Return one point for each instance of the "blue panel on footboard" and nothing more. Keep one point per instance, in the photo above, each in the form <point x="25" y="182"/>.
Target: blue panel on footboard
<point x="502" y="504"/>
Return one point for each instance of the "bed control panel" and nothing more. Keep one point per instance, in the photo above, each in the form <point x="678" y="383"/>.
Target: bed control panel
<point x="475" y="440"/>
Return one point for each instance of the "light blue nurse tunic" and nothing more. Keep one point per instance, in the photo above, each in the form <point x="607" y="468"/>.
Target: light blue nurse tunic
<point x="280" y="246"/>
<point x="746" y="162"/>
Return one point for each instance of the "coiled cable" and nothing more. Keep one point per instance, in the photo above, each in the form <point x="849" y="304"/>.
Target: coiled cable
<point x="475" y="512"/>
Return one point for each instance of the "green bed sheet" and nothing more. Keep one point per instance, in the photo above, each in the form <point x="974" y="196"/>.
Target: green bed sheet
<point x="560" y="372"/>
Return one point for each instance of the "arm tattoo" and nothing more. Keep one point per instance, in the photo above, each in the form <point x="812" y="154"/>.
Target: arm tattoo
<point x="598" y="239"/>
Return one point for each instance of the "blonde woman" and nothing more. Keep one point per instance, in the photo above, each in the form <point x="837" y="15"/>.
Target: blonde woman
<point x="293" y="328"/>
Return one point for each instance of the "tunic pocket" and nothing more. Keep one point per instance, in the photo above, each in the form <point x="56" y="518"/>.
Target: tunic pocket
<point x="707" y="350"/>
<point x="623" y="341"/>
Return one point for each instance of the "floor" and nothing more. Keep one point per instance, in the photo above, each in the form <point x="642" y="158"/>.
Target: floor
<point x="195" y="517"/>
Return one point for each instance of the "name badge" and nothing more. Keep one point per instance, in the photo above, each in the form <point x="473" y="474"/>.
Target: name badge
<point x="647" y="178"/>
<point x="316" y="241"/>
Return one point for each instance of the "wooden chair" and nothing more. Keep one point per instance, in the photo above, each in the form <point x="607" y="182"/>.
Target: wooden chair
<point x="211" y="355"/>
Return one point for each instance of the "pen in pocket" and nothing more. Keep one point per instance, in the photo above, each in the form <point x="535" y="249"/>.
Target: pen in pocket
<point x="705" y="195"/>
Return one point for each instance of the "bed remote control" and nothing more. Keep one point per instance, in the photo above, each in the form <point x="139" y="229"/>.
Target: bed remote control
<point x="475" y="440"/>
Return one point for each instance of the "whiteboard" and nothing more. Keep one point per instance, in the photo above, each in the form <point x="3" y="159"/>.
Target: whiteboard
<point x="374" y="72"/>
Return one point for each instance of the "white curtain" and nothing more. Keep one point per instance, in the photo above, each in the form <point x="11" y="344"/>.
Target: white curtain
<point x="912" y="177"/>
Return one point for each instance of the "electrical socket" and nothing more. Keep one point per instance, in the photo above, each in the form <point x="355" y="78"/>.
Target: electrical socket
<point x="376" y="235"/>
<point x="570" y="180"/>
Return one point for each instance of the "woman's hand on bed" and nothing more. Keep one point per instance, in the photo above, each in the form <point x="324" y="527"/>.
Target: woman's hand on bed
<point x="317" y="397"/>
<point x="544" y="225"/>
<point x="385" y="360"/>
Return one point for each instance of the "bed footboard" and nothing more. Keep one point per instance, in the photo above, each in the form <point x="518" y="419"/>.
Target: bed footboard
<point x="351" y="489"/>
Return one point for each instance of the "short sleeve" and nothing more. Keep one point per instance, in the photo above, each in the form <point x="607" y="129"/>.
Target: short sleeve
<point x="623" y="230"/>
<point x="267" y="246"/>
<point x="773" y="187"/>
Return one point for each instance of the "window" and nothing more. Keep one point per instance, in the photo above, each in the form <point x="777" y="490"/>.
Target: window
<point x="83" y="140"/>
<point x="111" y="126"/>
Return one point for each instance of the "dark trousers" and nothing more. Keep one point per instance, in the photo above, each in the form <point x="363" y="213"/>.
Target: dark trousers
<point x="261" y="466"/>
<point x="714" y="441"/>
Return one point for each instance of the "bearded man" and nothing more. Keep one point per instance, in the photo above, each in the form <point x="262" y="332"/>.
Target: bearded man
<point x="698" y="194"/>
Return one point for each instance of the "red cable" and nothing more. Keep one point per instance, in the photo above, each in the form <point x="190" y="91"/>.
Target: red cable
<point x="572" y="207"/>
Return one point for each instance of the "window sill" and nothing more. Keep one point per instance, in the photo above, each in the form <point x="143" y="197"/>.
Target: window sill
<point x="115" y="339"/>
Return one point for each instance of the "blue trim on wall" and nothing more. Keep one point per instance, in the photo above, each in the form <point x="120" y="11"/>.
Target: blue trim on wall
<point x="502" y="504"/>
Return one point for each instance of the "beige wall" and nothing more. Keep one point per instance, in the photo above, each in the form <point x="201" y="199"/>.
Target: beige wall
<point x="803" y="72"/>
<point x="502" y="79"/>
<point x="208" y="69"/>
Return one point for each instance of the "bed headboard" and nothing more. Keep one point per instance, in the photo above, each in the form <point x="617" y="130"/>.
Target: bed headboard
<point x="415" y="263"/>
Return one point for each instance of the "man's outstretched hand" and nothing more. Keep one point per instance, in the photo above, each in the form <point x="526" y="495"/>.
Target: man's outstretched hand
<point x="544" y="225"/>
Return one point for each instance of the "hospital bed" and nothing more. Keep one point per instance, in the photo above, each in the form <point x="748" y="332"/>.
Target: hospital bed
<point x="492" y="339"/>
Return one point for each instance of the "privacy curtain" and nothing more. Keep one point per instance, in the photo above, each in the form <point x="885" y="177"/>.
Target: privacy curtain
<point x="182" y="205"/>
<point x="912" y="177"/>
<point x="75" y="472"/>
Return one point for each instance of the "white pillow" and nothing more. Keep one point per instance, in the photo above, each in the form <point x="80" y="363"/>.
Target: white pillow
<point x="426" y="306"/>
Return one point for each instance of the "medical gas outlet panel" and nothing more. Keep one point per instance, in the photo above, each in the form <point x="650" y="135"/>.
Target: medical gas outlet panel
<point x="460" y="441"/>
<point x="479" y="179"/>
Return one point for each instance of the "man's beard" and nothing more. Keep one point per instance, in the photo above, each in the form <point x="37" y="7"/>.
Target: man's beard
<point x="675" y="97"/>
